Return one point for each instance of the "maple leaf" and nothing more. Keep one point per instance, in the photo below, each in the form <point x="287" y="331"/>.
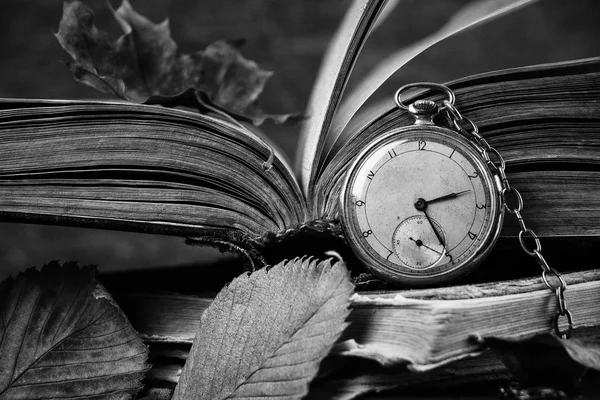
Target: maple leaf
<point x="265" y="334"/>
<point x="144" y="65"/>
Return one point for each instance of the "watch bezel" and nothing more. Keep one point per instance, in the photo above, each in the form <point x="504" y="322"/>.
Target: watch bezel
<point x="388" y="270"/>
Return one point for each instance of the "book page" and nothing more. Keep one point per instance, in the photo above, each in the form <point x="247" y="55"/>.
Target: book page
<point x="141" y="168"/>
<point x="330" y="83"/>
<point x="469" y="16"/>
<point x="544" y="122"/>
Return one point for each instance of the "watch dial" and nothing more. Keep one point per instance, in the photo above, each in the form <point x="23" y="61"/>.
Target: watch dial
<point x="420" y="205"/>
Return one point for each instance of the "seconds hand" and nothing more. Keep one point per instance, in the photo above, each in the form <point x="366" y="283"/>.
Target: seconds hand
<point x="420" y="243"/>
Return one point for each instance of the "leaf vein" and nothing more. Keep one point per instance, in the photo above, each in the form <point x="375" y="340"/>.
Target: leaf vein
<point x="48" y="317"/>
<point x="246" y="337"/>
<point x="93" y="324"/>
<point x="95" y="348"/>
<point x="311" y="360"/>
<point x="300" y="327"/>
<point x="53" y="347"/>
<point x="221" y="340"/>
<point x="104" y="334"/>
<point x="87" y="396"/>
<point x="91" y="378"/>
<point x="15" y="307"/>
<point x="67" y="313"/>
<point x="11" y="316"/>
<point x="88" y="362"/>
<point x="23" y="340"/>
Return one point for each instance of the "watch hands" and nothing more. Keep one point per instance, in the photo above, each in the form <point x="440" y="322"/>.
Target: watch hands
<point x="448" y="196"/>
<point x="437" y="234"/>
<point x="422" y="203"/>
<point x="420" y="243"/>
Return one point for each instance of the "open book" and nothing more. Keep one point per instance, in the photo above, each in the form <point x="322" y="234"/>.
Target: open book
<point x="152" y="169"/>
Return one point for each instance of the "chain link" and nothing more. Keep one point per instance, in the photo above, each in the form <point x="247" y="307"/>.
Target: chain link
<point x="512" y="201"/>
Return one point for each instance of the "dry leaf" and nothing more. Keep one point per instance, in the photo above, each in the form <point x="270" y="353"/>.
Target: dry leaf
<point x="265" y="334"/>
<point x="547" y="360"/>
<point x="62" y="336"/>
<point x="145" y="65"/>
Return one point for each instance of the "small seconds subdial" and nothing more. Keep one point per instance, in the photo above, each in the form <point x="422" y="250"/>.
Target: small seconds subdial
<point x="416" y="243"/>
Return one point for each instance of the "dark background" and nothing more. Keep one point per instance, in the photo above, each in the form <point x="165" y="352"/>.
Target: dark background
<point x="287" y="37"/>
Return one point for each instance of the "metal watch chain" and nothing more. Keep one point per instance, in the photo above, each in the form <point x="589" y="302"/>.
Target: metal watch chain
<point x="550" y="276"/>
<point x="496" y="163"/>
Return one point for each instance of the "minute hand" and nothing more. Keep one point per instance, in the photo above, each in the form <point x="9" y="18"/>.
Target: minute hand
<point x="447" y="196"/>
<point x="437" y="234"/>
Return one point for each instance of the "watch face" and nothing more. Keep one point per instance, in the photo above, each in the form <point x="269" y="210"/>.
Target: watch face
<point x="420" y="206"/>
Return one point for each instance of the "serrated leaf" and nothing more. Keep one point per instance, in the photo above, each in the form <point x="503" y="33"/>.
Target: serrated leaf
<point x="265" y="334"/>
<point x="547" y="360"/>
<point x="145" y="65"/>
<point x="62" y="336"/>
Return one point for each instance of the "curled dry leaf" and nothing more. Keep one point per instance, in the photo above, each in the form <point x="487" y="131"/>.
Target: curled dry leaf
<point x="145" y="65"/>
<point x="265" y="334"/>
<point x="547" y="360"/>
<point x="62" y="336"/>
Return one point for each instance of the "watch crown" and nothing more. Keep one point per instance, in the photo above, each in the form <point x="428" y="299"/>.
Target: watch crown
<point x="423" y="107"/>
<point x="423" y="111"/>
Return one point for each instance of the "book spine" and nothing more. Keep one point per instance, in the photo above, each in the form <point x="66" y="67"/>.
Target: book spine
<point x="320" y="238"/>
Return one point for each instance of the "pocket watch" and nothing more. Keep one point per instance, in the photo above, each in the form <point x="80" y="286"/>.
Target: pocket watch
<point x="424" y="205"/>
<point x="421" y="205"/>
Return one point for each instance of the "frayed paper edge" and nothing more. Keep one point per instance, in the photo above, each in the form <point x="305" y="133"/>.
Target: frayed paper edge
<point x="397" y="300"/>
<point x="388" y="356"/>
